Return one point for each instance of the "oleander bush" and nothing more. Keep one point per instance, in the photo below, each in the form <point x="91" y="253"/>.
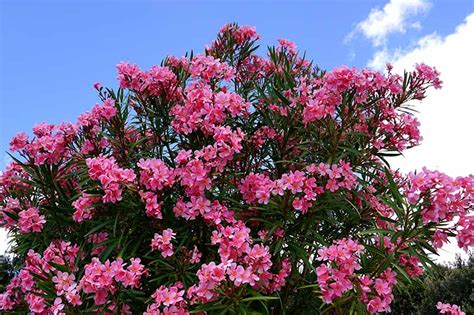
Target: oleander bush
<point x="226" y="182"/>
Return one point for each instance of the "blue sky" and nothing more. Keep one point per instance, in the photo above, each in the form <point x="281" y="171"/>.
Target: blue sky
<point x="51" y="52"/>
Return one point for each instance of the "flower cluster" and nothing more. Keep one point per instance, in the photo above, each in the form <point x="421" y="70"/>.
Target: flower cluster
<point x="336" y="275"/>
<point x="380" y="291"/>
<point x="256" y="187"/>
<point x="26" y="221"/>
<point x="102" y="279"/>
<point x="208" y="67"/>
<point x="99" y="113"/>
<point x="240" y="35"/>
<point x="211" y="212"/>
<point x="155" y="175"/>
<point x="443" y="198"/>
<point x="169" y="297"/>
<point x="205" y="109"/>
<point x="110" y="175"/>
<point x="30" y="220"/>
<point x="411" y="264"/>
<point x="49" y="145"/>
<point x="84" y="207"/>
<point x="445" y="308"/>
<point x="465" y="235"/>
<point x="156" y="81"/>
<point x="317" y="179"/>
<point x="162" y="242"/>
<point x="24" y="287"/>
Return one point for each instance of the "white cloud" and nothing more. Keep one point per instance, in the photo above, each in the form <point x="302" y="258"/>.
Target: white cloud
<point x="446" y="115"/>
<point x="381" y="57"/>
<point x="394" y="17"/>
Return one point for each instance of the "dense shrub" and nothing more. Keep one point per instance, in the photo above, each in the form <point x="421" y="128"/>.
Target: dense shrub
<point x="453" y="284"/>
<point x="226" y="182"/>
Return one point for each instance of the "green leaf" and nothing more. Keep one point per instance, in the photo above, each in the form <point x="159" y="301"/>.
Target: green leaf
<point x="259" y="298"/>
<point x="109" y="250"/>
<point x="403" y="273"/>
<point x="97" y="228"/>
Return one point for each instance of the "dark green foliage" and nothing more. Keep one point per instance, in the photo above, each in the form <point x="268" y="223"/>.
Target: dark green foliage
<point x="453" y="284"/>
<point x="6" y="271"/>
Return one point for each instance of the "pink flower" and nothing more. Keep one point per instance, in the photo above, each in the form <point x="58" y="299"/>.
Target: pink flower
<point x="332" y="185"/>
<point x="31" y="221"/>
<point x="334" y="281"/>
<point x="411" y="264"/>
<point x="375" y="305"/>
<point x="163" y="242"/>
<point x="465" y="235"/>
<point x="429" y="74"/>
<point x="240" y="34"/>
<point x="439" y="238"/>
<point x="194" y="176"/>
<point x="57" y="307"/>
<point x="84" y="207"/>
<point x="156" y="81"/>
<point x="155" y="175"/>
<point x="64" y="282"/>
<point x="207" y="68"/>
<point x="183" y="156"/>
<point x="19" y="142"/>
<point x="196" y="256"/>
<point x="101" y="296"/>
<point x="36" y="303"/>
<point x="256" y="187"/>
<point x="240" y="275"/>
<point x="110" y="175"/>
<point x="153" y="208"/>
<point x="168" y="296"/>
<point x="102" y="279"/>
<point x="449" y="309"/>
<point x="301" y="204"/>
<point x="284" y="43"/>
<point x="73" y="298"/>
<point x="108" y="109"/>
